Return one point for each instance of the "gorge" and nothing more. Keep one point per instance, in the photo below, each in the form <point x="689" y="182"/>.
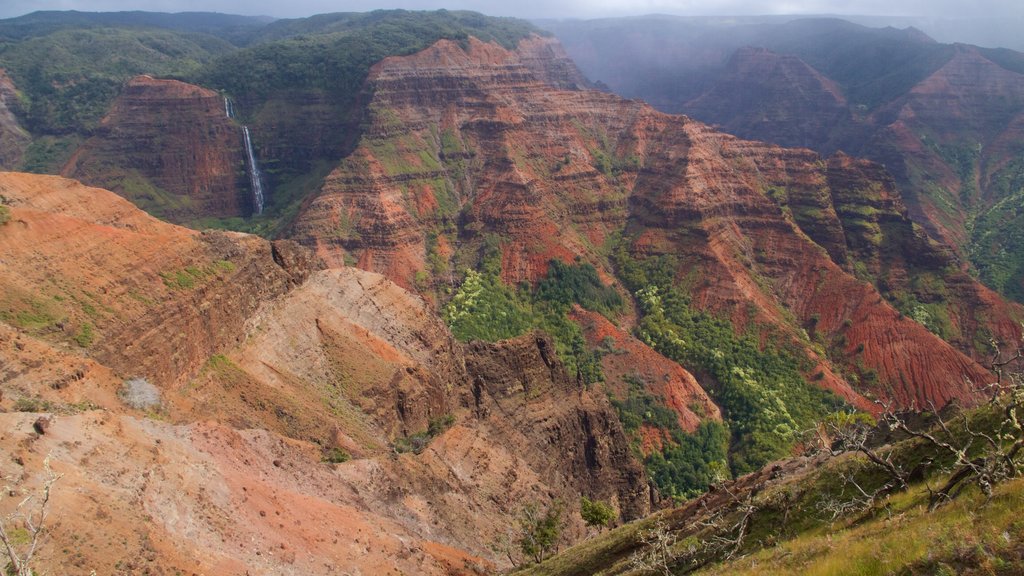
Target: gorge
<point x="456" y="290"/>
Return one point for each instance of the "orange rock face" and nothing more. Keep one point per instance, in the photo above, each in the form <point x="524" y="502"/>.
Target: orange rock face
<point x="169" y="147"/>
<point x="553" y="172"/>
<point x="261" y="366"/>
<point x="147" y="298"/>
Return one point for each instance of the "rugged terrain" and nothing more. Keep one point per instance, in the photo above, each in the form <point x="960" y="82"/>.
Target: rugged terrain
<point x="255" y="369"/>
<point x="944" y="119"/>
<point x="170" y="148"/>
<point x="493" y="291"/>
<point x="466" y="143"/>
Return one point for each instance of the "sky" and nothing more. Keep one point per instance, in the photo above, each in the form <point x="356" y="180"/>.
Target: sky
<point x="546" y="8"/>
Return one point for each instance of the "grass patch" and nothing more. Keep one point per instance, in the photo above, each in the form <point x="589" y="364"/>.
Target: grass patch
<point x="85" y="335"/>
<point x="190" y="277"/>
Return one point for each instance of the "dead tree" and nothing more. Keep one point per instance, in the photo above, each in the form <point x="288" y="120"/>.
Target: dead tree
<point x="729" y="524"/>
<point x="657" y="552"/>
<point x="29" y="518"/>
<point x="981" y="456"/>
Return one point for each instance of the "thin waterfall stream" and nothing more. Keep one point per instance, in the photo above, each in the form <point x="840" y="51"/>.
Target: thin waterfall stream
<point x="255" y="178"/>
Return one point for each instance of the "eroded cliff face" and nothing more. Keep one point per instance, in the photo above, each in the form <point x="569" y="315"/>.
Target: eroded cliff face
<point x="146" y="298"/>
<point x="262" y="367"/>
<point x="13" y="138"/>
<point x="170" y="148"/>
<point x="462" y="144"/>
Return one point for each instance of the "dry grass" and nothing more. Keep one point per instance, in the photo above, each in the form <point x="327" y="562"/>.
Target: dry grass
<point x="967" y="536"/>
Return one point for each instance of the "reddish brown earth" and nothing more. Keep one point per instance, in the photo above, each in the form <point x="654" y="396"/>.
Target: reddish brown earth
<point x="13" y="138"/>
<point x="626" y="356"/>
<point x="169" y="147"/>
<point x="947" y="138"/>
<point x="462" y="144"/>
<point x="906" y="264"/>
<point x="262" y="366"/>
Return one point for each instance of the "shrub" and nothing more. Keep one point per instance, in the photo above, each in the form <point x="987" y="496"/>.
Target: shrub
<point x="485" y="308"/>
<point x="336" y="455"/>
<point x="596" y="513"/>
<point x="539" y="532"/>
<point x="5" y="214"/>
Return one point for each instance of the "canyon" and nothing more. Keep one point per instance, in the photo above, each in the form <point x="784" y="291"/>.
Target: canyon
<point x="220" y="402"/>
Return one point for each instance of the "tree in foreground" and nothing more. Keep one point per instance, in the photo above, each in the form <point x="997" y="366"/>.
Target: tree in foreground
<point x="539" y="532"/>
<point x="21" y="529"/>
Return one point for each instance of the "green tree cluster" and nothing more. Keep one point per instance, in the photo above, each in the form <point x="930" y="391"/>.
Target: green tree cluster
<point x="485" y="308"/>
<point x="687" y="464"/>
<point x="763" y="395"/>
<point x="539" y="531"/>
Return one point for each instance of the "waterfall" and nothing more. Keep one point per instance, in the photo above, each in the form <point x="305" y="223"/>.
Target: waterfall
<point x="255" y="178"/>
<point x="254" y="173"/>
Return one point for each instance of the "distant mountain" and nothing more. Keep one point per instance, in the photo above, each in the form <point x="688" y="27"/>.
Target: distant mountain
<point x="41" y="23"/>
<point x="944" y="119"/>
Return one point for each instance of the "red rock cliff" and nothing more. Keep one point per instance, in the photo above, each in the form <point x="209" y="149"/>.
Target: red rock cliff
<point x="168" y="147"/>
<point x="465" y="143"/>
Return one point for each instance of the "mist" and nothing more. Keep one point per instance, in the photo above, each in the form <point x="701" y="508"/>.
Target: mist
<point x="991" y="23"/>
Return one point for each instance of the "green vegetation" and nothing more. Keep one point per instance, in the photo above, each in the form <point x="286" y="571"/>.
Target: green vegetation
<point x="69" y="68"/>
<point x="29" y="404"/>
<point x="842" y="514"/>
<point x="29" y="312"/>
<point x="47" y="154"/>
<point x="85" y="335"/>
<point x="686" y="464"/>
<point x="997" y="238"/>
<point x="596" y="513"/>
<point x="191" y="276"/>
<point x="70" y="77"/>
<point x="419" y="441"/>
<point x="335" y="455"/>
<point x="539" y="532"/>
<point x="332" y="53"/>
<point x="485" y="308"/>
<point x="5" y="214"/>
<point x="973" y="536"/>
<point x="764" y="398"/>
<point x="567" y="284"/>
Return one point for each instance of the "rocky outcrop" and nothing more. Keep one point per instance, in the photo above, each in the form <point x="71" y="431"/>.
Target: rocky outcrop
<point x="170" y="148"/>
<point x="13" y="138"/>
<point x="423" y="157"/>
<point x="523" y="393"/>
<point x="146" y="298"/>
